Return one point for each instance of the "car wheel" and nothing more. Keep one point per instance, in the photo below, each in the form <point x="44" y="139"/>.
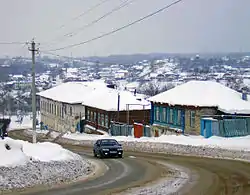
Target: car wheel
<point x="95" y="155"/>
<point x="120" y="156"/>
<point x="100" y="155"/>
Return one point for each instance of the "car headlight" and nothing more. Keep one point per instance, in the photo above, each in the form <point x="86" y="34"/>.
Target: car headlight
<point x="119" y="149"/>
<point x="105" y="149"/>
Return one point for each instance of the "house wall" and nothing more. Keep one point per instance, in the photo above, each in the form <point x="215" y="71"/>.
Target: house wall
<point x="183" y="113"/>
<point x="97" y="118"/>
<point x="199" y="112"/>
<point x="60" y="116"/>
<point x="140" y="116"/>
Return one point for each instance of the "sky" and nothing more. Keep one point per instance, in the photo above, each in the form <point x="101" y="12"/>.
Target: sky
<point x="191" y="26"/>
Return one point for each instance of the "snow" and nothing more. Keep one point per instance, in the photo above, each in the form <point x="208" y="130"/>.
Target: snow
<point x="12" y="157"/>
<point x="236" y="143"/>
<point x="76" y="91"/>
<point x="26" y="123"/>
<point x="21" y="151"/>
<point x="25" y="164"/>
<point x="171" y="184"/>
<point x="92" y="94"/>
<point x="205" y="94"/>
<point x="96" y="100"/>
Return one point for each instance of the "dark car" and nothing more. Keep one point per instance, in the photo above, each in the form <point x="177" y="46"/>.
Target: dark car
<point x="107" y="148"/>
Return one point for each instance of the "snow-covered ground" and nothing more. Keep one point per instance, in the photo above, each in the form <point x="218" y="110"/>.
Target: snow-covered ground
<point x="236" y="143"/>
<point x="25" y="164"/>
<point x="169" y="185"/>
<point x="25" y="124"/>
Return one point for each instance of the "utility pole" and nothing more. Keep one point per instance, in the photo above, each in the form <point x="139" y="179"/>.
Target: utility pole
<point x="118" y="108"/>
<point x="33" y="50"/>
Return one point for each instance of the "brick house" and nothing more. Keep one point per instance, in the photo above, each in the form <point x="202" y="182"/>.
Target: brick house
<point x="183" y="107"/>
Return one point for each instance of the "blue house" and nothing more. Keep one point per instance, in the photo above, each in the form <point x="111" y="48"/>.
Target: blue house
<point x="186" y="108"/>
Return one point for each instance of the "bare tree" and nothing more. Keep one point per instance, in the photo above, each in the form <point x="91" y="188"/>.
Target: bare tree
<point x="153" y="88"/>
<point x="3" y="99"/>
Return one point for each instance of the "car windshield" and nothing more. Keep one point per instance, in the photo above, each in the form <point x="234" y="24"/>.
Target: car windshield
<point x="109" y="143"/>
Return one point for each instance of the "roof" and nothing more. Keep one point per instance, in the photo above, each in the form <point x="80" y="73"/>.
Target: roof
<point x="96" y="95"/>
<point x="71" y="92"/>
<point x="107" y="99"/>
<point x="205" y="94"/>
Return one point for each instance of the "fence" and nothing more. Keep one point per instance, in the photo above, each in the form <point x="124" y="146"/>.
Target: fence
<point x="234" y="127"/>
<point x="226" y="126"/>
<point x="137" y="130"/>
<point x="120" y="129"/>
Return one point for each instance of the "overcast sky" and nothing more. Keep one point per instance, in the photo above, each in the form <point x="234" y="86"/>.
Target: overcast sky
<point x="190" y="26"/>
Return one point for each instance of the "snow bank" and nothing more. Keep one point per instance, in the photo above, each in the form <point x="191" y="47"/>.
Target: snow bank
<point x="27" y="164"/>
<point x="236" y="143"/>
<point x="12" y="156"/>
<point x="190" y="148"/>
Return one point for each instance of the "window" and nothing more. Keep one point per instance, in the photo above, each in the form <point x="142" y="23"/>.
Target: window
<point x="94" y="116"/>
<point x="179" y="117"/>
<point x="171" y="115"/>
<point x="164" y="115"/>
<point x="99" y="118"/>
<point x="88" y="115"/>
<point x="106" y="121"/>
<point x="65" y="110"/>
<point x="70" y="111"/>
<point x="192" y="118"/>
<point x="52" y="109"/>
<point x="102" y="120"/>
<point x="60" y="111"/>
<point x="91" y="116"/>
<point x="157" y="116"/>
<point x="62" y="107"/>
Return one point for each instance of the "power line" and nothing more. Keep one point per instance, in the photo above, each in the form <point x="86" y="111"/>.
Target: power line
<point x="118" y="29"/>
<point x="12" y="43"/>
<point x="120" y="6"/>
<point x="86" y="12"/>
<point x="83" y="14"/>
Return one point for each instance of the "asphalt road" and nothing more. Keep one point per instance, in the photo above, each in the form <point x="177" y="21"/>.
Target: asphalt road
<point x="208" y="176"/>
<point x="121" y="174"/>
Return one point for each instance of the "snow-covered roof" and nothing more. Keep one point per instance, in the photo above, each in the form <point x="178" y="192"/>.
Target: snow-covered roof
<point x="95" y="94"/>
<point x="205" y="94"/>
<point x="71" y="92"/>
<point x="107" y="99"/>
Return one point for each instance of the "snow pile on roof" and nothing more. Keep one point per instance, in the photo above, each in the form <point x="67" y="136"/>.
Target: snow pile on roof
<point x="71" y="92"/>
<point x="205" y="94"/>
<point x="107" y="99"/>
<point x="95" y="94"/>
